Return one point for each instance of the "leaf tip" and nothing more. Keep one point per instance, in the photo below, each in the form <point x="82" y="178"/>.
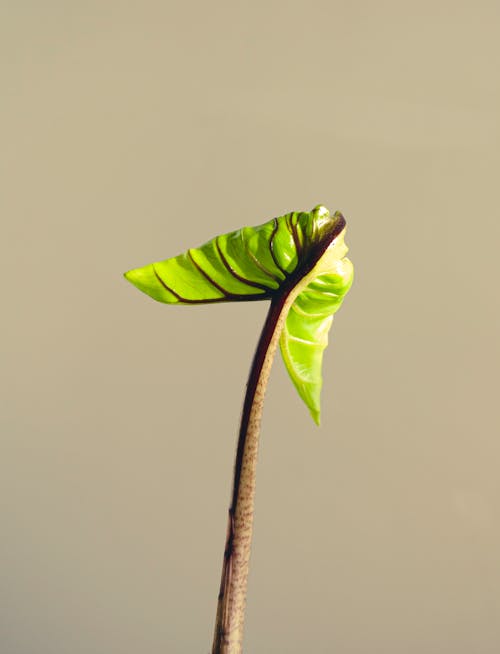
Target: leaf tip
<point x="315" y="414"/>
<point x="144" y="280"/>
<point x="135" y="277"/>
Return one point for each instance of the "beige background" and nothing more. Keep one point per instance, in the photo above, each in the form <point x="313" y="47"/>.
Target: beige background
<point x="133" y="130"/>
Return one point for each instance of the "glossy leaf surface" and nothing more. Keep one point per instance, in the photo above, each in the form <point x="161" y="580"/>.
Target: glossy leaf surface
<point x="300" y="253"/>
<point x="305" y="335"/>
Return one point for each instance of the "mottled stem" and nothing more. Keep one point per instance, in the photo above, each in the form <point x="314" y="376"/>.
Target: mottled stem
<point x="230" y="617"/>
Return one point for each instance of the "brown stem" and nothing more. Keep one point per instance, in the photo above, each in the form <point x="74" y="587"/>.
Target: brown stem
<point x="230" y="616"/>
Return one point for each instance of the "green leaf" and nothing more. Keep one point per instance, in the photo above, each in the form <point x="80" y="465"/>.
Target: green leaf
<point x="300" y="253"/>
<point x="305" y="335"/>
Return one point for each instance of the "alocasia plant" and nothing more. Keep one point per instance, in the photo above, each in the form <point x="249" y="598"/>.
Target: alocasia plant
<point x="296" y="261"/>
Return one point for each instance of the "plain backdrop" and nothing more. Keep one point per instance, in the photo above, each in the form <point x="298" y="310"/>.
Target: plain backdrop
<point x="131" y="131"/>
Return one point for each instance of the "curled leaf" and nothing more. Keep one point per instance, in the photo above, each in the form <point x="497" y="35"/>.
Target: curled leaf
<point x="300" y="253"/>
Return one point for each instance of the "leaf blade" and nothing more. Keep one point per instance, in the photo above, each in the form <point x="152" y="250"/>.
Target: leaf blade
<point x="305" y="334"/>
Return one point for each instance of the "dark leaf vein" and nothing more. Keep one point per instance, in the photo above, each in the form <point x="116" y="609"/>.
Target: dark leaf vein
<point x="222" y="290"/>
<point x="233" y="272"/>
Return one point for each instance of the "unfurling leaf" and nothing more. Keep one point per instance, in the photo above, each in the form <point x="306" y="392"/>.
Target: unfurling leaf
<point x="300" y="253"/>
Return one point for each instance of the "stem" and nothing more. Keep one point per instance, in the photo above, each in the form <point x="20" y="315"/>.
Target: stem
<point x="230" y="617"/>
<point x="228" y="635"/>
